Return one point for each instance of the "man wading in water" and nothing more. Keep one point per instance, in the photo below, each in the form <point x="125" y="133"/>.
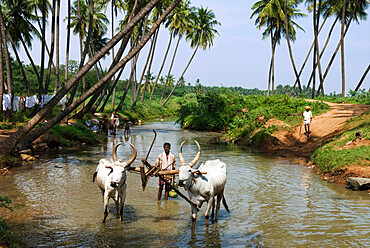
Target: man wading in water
<point x="307" y="119"/>
<point x="166" y="161"/>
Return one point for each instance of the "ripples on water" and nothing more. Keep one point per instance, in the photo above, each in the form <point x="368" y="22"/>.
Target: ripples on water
<point x="273" y="203"/>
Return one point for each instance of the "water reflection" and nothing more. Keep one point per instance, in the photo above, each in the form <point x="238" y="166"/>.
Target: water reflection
<point x="273" y="203"/>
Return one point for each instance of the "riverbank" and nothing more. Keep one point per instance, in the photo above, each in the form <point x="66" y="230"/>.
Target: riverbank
<point x="290" y="142"/>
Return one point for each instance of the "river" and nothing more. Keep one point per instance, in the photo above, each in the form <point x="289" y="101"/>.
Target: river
<point x="273" y="203"/>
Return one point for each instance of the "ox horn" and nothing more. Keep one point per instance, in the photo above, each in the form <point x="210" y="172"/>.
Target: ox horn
<point x="133" y="157"/>
<point x="182" y="160"/>
<point x="128" y="162"/>
<point x="195" y="160"/>
<point x="115" y="159"/>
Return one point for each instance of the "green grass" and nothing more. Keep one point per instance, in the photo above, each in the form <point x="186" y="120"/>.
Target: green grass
<point x="332" y="157"/>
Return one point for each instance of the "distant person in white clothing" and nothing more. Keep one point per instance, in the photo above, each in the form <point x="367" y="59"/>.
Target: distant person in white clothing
<point x="166" y="161"/>
<point x="307" y="119"/>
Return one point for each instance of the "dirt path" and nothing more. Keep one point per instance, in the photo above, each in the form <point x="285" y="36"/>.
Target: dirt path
<point x="324" y="127"/>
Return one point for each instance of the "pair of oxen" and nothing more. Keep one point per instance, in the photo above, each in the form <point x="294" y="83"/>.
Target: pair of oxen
<point x="205" y="183"/>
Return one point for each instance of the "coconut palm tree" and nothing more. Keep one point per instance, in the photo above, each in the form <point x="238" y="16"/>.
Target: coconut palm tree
<point x="201" y="34"/>
<point x="178" y="24"/>
<point x="355" y="10"/>
<point x="9" y="144"/>
<point x="270" y="14"/>
<point x="80" y="19"/>
<point x="19" y="19"/>
<point x="291" y="13"/>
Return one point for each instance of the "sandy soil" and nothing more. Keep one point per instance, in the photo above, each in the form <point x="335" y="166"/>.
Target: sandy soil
<point x="295" y="145"/>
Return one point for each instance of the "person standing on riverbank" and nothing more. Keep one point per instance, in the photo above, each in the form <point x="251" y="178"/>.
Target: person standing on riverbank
<point x="166" y="161"/>
<point x="307" y="119"/>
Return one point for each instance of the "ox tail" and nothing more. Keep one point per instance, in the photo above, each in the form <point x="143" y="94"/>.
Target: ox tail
<point x="94" y="176"/>
<point x="225" y="204"/>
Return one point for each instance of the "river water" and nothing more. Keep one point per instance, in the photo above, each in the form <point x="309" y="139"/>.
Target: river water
<point x="273" y="202"/>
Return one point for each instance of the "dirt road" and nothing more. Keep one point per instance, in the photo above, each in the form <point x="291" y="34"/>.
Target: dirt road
<point x="324" y="127"/>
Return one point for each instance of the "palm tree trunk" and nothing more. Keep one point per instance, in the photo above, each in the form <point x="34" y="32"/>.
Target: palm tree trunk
<point x="273" y="65"/>
<point x="169" y="70"/>
<point x="47" y="82"/>
<point x="68" y="41"/>
<point x="317" y="47"/>
<point x="57" y="82"/>
<point x="9" y="76"/>
<point x="114" y="88"/>
<point x="314" y="50"/>
<point x="41" y="82"/>
<point x="42" y="129"/>
<point x="290" y="48"/>
<point x="1" y="77"/>
<point x="361" y="80"/>
<point x="10" y="143"/>
<point x="20" y="63"/>
<point x="30" y="59"/>
<point x="323" y="50"/>
<point x="143" y="73"/>
<point x="183" y="73"/>
<point x="150" y="66"/>
<point x="270" y="68"/>
<point x="321" y="87"/>
<point x="160" y="70"/>
<point x="122" y="48"/>
<point x="342" y="49"/>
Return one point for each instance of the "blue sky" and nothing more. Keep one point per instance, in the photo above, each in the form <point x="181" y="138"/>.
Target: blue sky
<point x="240" y="57"/>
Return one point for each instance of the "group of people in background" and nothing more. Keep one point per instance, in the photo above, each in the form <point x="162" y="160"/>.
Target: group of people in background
<point x="113" y="124"/>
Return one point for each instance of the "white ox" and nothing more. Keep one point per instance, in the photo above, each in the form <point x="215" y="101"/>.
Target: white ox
<point x="111" y="178"/>
<point x="203" y="187"/>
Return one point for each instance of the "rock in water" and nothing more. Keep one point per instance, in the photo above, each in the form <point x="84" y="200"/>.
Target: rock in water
<point x="358" y="183"/>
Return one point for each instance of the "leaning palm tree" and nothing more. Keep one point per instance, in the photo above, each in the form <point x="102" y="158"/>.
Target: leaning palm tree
<point x="291" y="13"/>
<point x="80" y="22"/>
<point x="201" y="34"/>
<point x="19" y="19"/>
<point x="9" y="144"/>
<point x="266" y="10"/>
<point x="178" y="23"/>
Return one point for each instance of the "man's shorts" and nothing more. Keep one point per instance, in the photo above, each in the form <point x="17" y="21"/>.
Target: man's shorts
<point x="307" y="122"/>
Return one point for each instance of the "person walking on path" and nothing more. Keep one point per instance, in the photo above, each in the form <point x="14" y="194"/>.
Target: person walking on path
<point x="165" y="161"/>
<point x="307" y="119"/>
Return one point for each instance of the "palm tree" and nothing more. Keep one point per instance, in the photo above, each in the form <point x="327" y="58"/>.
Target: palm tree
<point x="19" y="19"/>
<point x="178" y="24"/>
<point x="266" y="10"/>
<point x="116" y="6"/>
<point x="271" y="15"/>
<point x="201" y="34"/>
<point x="355" y="10"/>
<point x="291" y="13"/>
<point x="9" y="144"/>
<point x="81" y="16"/>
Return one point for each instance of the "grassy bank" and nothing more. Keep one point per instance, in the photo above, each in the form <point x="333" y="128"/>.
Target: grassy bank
<point x="346" y="150"/>
<point x="239" y="116"/>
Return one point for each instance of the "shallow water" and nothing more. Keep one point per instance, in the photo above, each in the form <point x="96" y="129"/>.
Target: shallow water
<point x="273" y="203"/>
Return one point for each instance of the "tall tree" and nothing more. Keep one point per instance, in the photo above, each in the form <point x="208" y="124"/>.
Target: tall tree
<point x="201" y="34"/>
<point x="14" y="139"/>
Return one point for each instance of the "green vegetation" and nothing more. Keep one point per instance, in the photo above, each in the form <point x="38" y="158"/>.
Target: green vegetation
<point x="5" y="234"/>
<point x="359" y="97"/>
<point x="334" y="155"/>
<point x="239" y="115"/>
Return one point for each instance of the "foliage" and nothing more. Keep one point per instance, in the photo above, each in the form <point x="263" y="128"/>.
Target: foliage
<point x="219" y="110"/>
<point x="78" y="132"/>
<point x="360" y="97"/>
<point x="332" y="157"/>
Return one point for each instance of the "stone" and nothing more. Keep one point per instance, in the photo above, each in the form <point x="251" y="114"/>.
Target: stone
<point x="26" y="157"/>
<point x="27" y="151"/>
<point x="358" y="183"/>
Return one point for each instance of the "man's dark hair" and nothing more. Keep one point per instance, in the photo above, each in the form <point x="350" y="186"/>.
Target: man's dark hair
<point x="166" y="144"/>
